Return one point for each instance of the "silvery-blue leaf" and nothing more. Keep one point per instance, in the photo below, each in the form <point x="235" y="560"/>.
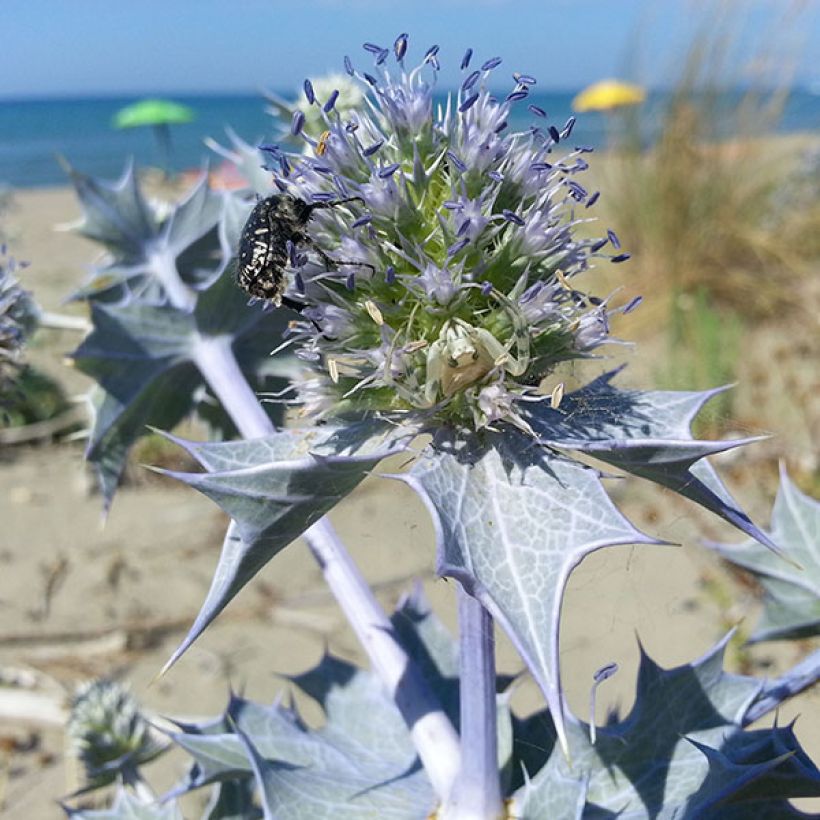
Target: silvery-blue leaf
<point x="248" y="159"/>
<point x="360" y="763"/>
<point x="127" y="806"/>
<point x="681" y="752"/>
<point x="275" y="488"/>
<point x="792" y="594"/>
<point x="142" y="357"/>
<point x="512" y="521"/>
<point x="646" y="433"/>
<point x="141" y="237"/>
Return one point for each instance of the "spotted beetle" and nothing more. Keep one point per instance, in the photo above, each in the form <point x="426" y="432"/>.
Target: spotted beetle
<point x="264" y="252"/>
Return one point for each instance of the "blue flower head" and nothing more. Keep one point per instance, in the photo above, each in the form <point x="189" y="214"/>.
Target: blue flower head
<point x="451" y="290"/>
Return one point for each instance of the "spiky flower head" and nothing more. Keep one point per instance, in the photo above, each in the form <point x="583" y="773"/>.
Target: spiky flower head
<point x="108" y="733"/>
<point x="18" y="319"/>
<point x="451" y="291"/>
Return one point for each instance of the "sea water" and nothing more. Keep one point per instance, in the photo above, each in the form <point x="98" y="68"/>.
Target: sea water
<point x="33" y="133"/>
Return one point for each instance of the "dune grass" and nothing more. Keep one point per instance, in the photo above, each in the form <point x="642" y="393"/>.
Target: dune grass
<point x="722" y="215"/>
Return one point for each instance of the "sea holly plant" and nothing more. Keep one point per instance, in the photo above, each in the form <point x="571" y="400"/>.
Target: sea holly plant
<point x="791" y="593"/>
<point x="440" y="298"/>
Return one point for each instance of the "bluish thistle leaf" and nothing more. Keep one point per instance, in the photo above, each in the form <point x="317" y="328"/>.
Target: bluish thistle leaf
<point x="275" y="488"/>
<point x="128" y="807"/>
<point x="141" y="356"/>
<point x="646" y="433"/>
<point x="248" y="159"/>
<point x="360" y="763"/>
<point x="792" y="595"/>
<point x="681" y="752"/>
<point x="137" y="235"/>
<point x="512" y="521"/>
<point x="115" y="214"/>
<point x="774" y="692"/>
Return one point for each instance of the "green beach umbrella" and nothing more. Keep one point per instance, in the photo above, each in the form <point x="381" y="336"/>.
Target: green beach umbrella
<point x="159" y="115"/>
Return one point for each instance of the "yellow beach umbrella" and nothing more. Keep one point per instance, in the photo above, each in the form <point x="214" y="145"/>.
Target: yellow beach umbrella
<point x="608" y="94"/>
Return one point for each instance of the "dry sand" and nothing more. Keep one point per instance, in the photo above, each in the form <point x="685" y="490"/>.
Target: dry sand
<point x="77" y="600"/>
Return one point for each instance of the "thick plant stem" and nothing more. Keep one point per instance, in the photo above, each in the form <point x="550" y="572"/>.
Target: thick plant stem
<point x="216" y="362"/>
<point x="477" y="792"/>
<point x="433" y="734"/>
<point x="180" y="295"/>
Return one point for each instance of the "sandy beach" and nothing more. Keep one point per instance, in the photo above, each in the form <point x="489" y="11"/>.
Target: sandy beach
<point x="79" y="600"/>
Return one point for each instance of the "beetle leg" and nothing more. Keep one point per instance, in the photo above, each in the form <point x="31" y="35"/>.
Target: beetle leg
<point x="329" y="261"/>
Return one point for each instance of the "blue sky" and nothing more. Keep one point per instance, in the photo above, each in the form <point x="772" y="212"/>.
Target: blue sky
<point x="89" y="47"/>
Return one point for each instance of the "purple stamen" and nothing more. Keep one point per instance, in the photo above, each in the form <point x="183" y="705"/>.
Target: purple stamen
<point x="457" y="247"/>
<point x="340" y="186"/>
<point x="400" y="46"/>
<point x="383" y="54"/>
<point x="299" y="282"/>
<point x="490" y="64"/>
<point x="463" y="228"/>
<point x="310" y="96"/>
<point x="271" y="149"/>
<point x="284" y="166"/>
<point x="351" y="127"/>
<point x="350" y="282"/>
<point x="371" y="79"/>
<point x="596" y="246"/>
<point x="524" y="79"/>
<point x="632" y="304"/>
<point x="584" y="149"/>
<point x="431" y="53"/>
<point x="540" y="166"/>
<point x="331" y="101"/>
<point x="593" y="199"/>
<point x="349" y="66"/>
<point x="389" y="170"/>
<point x="486" y="288"/>
<point x="553" y="131"/>
<point x="322" y="169"/>
<point x="513" y="217"/>
<point x="296" y="123"/>
<point x="372" y="48"/>
<point x="371" y="149"/>
<point x="364" y="219"/>
<point x="577" y="191"/>
<point x="497" y="176"/>
<point x="453" y="206"/>
<point x="613" y="238"/>
<point x="537" y="110"/>
<point x="470" y="80"/>
<point x="517" y="95"/>
<point x="390" y="275"/>
<point x="500" y="127"/>
<point x="465" y="60"/>
<point x="568" y="126"/>
<point x="468" y="103"/>
<point x="456" y="161"/>
<point x="621" y="257"/>
<point x="323" y="196"/>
